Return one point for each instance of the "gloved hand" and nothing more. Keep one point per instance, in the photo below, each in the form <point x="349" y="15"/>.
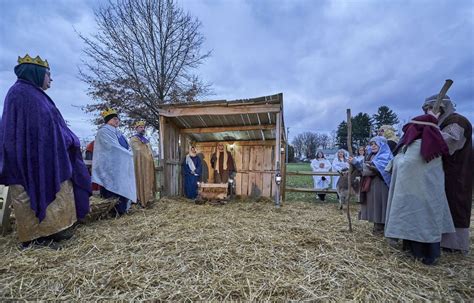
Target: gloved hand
<point x="430" y="112"/>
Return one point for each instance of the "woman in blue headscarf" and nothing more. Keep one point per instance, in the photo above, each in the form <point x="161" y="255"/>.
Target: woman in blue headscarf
<point x="192" y="171"/>
<point x="375" y="184"/>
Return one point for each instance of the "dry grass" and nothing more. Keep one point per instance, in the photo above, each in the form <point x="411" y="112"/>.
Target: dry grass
<point x="240" y="251"/>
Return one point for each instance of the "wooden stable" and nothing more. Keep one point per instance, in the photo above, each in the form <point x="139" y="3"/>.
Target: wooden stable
<point x="251" y="129"/>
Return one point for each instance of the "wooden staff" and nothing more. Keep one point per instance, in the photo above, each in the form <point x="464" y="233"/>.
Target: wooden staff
<point x="349" y="147"/>
<point x="442" y="93"/>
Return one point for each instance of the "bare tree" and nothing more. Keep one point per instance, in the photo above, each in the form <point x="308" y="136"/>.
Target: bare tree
<point x="324" y="141"/>
<point x="143" y="55"/>
<point x="307" y="143"/>
<point x="298" y="145"/>
<point x="310" y="144"/>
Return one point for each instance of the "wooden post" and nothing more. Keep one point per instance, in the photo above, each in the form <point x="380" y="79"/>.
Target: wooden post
<point x="283" y="176"/>
<point x="278" y="157"/>
<point x="164" y="184"/>
<point x="349" y="147"/>
<point x="441" y="95"/>
<point x="183" y="148"/>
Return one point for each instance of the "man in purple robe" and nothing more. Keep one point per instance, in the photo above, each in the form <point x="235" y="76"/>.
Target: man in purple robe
<point x="40" y="159"/>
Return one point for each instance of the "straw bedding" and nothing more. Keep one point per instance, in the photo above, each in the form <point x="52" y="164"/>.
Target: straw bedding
<point x="239" y="251"/>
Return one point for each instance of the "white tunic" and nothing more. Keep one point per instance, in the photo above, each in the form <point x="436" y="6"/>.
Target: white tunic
<point x="337" y="166"/>
<point x="321" y="165"/>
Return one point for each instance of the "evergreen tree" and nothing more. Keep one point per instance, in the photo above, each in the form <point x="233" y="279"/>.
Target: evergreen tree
<point x="361" y="125"/>
<point x="384" y="116"/>
<point x="291" y="154"/>
<point x="341" y="135"/>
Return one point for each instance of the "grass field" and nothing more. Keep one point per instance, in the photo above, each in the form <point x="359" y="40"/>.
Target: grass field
<point x="303" y="182"/>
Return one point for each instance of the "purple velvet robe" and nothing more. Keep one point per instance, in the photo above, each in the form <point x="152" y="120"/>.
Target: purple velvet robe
<point x="39" y="151"/>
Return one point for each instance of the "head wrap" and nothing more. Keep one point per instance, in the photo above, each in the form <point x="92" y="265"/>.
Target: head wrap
<point x="389" y="133"/>
<point x="345" y="152"/>
<point x="31" y="72"/>
<point x="424" y="127"/>
<point x="446" y="104"/>
<point x="363" y="148"/>
<point x="382" y="157"/>
<point x="320" y="152"/>
<point x="191" y="152"/>
<point x="218" y="155"/>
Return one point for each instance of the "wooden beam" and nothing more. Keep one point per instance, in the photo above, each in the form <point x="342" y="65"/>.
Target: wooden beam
<point x="238" y="143"/>
<point x="310" y="173"/>
<point x="349" y="146"/>
<point x="278" y="157"/>
<point x="220" y="110"/>
<point x="221" y="129"/>
<point x="283" y="174"/>
<point x="162" y="137"/>
<point x="310" y="190"/>
<point x="262" y="171"/>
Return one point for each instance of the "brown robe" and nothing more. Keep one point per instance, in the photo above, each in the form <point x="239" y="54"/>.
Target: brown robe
<point x="144" y="171"/>
<point x="221" y="175"/>
<point x="458" y="172"/>
<point x="373" y="206"/>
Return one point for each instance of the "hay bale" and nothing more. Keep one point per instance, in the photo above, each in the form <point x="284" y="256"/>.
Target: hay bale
<point x="179" y="251"/>
<point x="213" y="191"/>
<point x="100" y="208"/>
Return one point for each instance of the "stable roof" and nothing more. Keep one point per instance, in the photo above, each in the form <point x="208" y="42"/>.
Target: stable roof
<point x="222" y="120"/>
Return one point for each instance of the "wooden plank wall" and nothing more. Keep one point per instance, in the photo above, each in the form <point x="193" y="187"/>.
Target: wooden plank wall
<point x="255" y="164"/>
<point x="172" y="165"/>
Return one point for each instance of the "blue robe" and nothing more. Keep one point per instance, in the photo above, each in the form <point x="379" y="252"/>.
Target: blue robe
<point x="191" y="180"/>
<point x="39" y="151"/>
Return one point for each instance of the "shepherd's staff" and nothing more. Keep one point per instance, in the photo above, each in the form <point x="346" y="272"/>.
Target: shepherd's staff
<point x="441" y="95"/>
<point x="349" y="147"/>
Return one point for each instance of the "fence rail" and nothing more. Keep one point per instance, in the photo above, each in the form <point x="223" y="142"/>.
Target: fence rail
<point x="310" y="190"/>
<point x="310" y="173"/>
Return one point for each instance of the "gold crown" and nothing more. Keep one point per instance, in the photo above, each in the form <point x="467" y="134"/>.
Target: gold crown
<point x="140" y="123"/>
<point x="37" y="61"/>
<point x="107" y="112"/>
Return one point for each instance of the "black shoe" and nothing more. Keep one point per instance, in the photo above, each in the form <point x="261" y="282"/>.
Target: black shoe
<point x="62" y="235"/>
<point x="41" y="243"/>
<point x="451" y="250"/>
<point x="429" y="261"/>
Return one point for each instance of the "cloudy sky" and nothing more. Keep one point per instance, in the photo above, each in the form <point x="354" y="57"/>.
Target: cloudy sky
<point x="323" y="55"/>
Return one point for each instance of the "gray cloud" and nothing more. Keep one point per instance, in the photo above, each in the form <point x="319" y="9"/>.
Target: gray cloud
<point x="325" y="56"/>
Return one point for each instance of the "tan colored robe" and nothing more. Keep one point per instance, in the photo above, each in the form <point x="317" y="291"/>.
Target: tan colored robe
<point x="60" y="214"/>
<point x="144" y="170"/>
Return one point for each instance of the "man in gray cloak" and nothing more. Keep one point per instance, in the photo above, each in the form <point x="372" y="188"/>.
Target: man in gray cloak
<point x="112" y="163"/>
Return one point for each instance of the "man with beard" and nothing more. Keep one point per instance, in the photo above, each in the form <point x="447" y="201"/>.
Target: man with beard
<point x="457" y="133"/>
<point x="144" y="165"/>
